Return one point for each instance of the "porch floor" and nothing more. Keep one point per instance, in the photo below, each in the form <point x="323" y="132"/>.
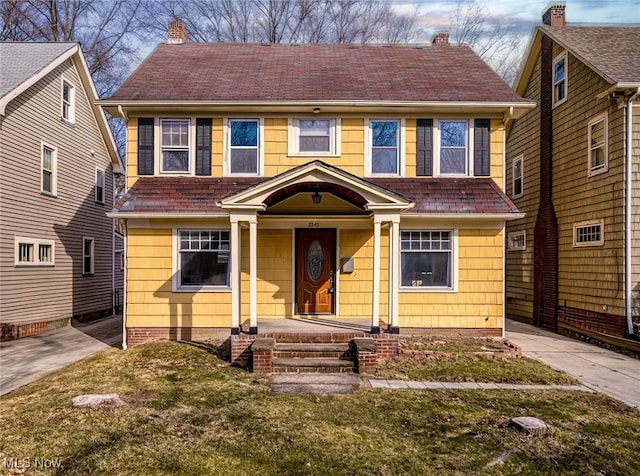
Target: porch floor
<point x="319" y="325"/>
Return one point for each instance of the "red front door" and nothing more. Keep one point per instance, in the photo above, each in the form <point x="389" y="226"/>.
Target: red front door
<point x="315" y="271"/>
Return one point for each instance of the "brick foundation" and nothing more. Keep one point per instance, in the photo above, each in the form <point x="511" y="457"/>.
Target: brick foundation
<point x="142" y="335"/>
<point x="579" y="319"/>
<point x="452" y="332"/>
<point x="18" y="331"/>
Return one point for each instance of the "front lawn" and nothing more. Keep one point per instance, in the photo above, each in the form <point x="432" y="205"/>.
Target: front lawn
<point x="189" y="413"/>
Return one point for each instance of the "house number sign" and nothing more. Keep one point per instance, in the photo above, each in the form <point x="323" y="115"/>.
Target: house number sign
<point x="315" y="261"/>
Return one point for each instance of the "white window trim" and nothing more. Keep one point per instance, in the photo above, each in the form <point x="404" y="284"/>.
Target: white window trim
<point x="520" y="159"/>
<point x="584" y="224"/>
<point x="93" y="255"/>
<point x="104" y="190"/>
<point x="176" y="287"/>
<point x="54" y="172"/>
<point x="158" y="145"/>
<point x="72" y="101"/>
<point x="226" y="141"/>
<point x="454" y="264"/>
<point x="368" y="140"/>
<point x="436" y="146"/>
<point x="36" y="252"/>
<point x="566" y="79"/>
<point x="293" y="138"/>
<point x="512" y="235"/>
<point x="605" y="167"/>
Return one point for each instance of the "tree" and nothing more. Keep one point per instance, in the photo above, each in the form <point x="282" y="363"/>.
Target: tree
<point x="495" y="42"/>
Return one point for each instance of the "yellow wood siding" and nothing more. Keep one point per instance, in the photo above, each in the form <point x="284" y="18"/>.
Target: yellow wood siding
<point x="150" y="302"/>
<point x="478" y="302"/>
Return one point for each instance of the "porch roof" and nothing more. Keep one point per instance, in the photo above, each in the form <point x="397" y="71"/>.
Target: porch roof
<point x="200" y="195"/>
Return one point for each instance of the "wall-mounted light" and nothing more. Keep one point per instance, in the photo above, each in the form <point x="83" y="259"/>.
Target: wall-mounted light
<point x="317" y="198"/>
<point x="316" y="110"/>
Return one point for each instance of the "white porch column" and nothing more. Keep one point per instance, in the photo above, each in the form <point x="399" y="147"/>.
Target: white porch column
<point x="235" y="275"/>
<point x="375" y="311"/>
<point x="253" y="272"/>
<point x="394" y="273"/>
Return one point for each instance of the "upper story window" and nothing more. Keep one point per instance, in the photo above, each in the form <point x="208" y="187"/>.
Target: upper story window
<point x="384" y="147"/>
<point x="453" y="147"/>
<point x="313" y="137"/>
<point x="244" y="146"/>
<point x="175" y="152"/>
<point x="560" y="80"/>
<point x="175" y="145"/>
<point x="31" y="252"/>
<point x="68" y="101"/>
<point x="426" y="259"/>
<point x="99" y="186"/>
<point x="49" y="170"/>
<point x="203" y="258"/>
<point x="517" y="180"/>
<point x="598" y="145"/>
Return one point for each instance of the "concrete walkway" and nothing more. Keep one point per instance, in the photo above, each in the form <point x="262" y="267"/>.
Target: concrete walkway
<point x="25" y="360"/>
<point x="599" y="369"/>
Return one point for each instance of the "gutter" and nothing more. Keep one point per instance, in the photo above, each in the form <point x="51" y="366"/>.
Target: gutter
<point x="627" y="218"/>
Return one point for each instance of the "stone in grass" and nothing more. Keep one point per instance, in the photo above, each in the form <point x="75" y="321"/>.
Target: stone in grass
<point x="529" y="425"/>
<point x="95" y="400"/>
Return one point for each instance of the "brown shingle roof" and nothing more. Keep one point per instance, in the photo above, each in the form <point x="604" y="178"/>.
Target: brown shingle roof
<point x="311" y="72"/>
<point x="613" y="51"/>
<point x="179" y="195"/>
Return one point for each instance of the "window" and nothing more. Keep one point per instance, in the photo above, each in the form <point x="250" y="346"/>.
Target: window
<point x="588" y="233"/>
<point x="48" y="170"/>
<point x="30" y="252"/>
<point x="598" y="148"/>
<point x="99" y="186"/>
<point x="313" y="137"/>
<point x="121" y="260"/>
<point x="426" y="259"/>
<point x="244" y="146"/>
<point x="203" y="258"/>
<point x="453" y="147"/>
<point x="517" y="177"/>
<point x="560" y="80"/>
<point x="68" y="102"/>
<point x="385" y="150"/>
<point x="175" y="145"/>
<point x="517" y="241"/>
<point x="88" y="255"/>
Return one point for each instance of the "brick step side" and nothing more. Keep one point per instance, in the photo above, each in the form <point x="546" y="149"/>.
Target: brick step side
<point x="311" y="365"/>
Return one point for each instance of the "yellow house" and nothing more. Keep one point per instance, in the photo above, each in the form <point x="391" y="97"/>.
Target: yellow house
<point x="304" y="181"/>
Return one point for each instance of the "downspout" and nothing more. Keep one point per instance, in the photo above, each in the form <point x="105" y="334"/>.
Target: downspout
<point x="124" y="286"/>
<point x="508" y="117"/>
<point x="629" y="200"/>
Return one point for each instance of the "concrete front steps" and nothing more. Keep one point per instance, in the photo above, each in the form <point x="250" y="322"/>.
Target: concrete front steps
<point x="312" y="353"/>
<point x="312" y="358"/>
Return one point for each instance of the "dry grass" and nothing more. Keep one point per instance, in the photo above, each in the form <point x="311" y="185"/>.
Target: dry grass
<point x="189" y="413"/>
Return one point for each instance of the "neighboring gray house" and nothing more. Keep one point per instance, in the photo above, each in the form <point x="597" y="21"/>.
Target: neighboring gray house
<point x="57" y="161"/>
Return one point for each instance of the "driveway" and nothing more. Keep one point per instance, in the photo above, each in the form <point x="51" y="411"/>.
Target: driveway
<point x="25" y="360"/>
<point x="599" y="369"/>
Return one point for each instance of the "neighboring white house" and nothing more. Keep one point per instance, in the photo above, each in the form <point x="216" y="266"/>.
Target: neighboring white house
<point x="57" y="162"/>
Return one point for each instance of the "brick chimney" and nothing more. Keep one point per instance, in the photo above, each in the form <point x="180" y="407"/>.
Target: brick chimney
<point x="442" y="37"/>
<point x="554" y="14"/>
<point x="176" y="33"/>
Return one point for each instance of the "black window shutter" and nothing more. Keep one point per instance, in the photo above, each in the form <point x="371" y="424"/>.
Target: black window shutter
<point x="203" y="146"/>
<point x="424" y="147"/>
<point x="145" y="146"/>
<point x="481" y="146"/>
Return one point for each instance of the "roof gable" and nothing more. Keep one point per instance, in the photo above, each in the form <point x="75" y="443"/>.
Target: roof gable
<point x="24" y="64"/>
<point x="276" y="73"/>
